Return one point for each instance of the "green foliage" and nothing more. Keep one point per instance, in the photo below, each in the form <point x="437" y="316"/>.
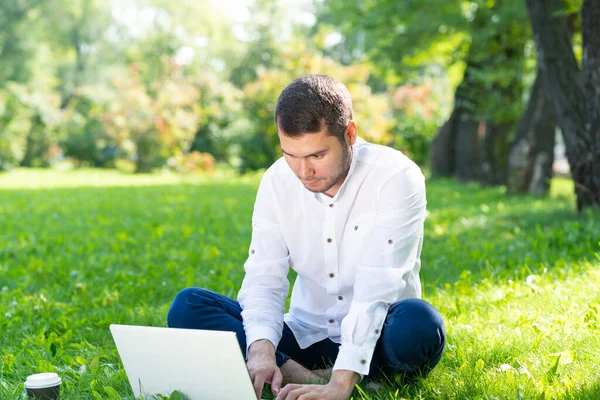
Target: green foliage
<point x="13" y="126"/>
<point x="262" y="50"/>
<point x="88" y="45"/>
<point x="405" y="39"/>
<point x="83" y="137"/>
<point x="515" y="278"/>
<point x="153" y="123"/>
<point x="418" y="111"/>
<point x="204" y="28"/>
<point x="16" y="46"/>
<point x="74" y="32"/>
<point x="221" y="105"/>
<point x="106" y="68"/>
<point x="28" y="120"/>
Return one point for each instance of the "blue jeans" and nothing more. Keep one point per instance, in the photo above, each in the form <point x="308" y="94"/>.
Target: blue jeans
<point x="412" y="339"/>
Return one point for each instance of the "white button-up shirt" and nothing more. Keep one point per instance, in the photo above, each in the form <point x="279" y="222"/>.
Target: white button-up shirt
<point x="355" y="254"/>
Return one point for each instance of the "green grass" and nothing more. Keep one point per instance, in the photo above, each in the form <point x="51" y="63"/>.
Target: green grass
<point x="516" y="279"/>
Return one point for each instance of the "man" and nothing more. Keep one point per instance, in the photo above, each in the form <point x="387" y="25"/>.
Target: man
<point x="348" y="217"/>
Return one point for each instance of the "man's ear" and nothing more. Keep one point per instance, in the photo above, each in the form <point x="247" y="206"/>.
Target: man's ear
<point x="351" y="133"/>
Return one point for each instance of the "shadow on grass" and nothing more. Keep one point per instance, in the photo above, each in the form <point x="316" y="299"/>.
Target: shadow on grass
<point x="470" y="228"/>
<point x="588" y="392"/>
<point x="491" y="235"/>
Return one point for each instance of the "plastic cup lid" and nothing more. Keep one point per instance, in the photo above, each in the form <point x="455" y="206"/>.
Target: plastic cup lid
<point x="43" y="380"/>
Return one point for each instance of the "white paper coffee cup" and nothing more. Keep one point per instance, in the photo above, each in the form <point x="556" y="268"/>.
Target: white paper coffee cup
<point x="44" y="386"/>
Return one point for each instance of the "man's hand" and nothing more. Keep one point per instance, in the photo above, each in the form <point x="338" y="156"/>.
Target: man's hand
<point x="340" y="387"/>
<point x="262" y="367"/>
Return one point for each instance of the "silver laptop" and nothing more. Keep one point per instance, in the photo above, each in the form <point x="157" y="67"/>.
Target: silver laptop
<point x="202" y="365"/>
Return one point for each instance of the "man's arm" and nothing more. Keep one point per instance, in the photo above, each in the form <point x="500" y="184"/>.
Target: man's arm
<point x="265" y="285"/>
<point x="264" y="289"/>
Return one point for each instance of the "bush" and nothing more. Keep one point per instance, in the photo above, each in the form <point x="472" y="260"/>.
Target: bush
<point x="83" y="136"/>
<point x="193" y="162"/>
<point x="13" y="131"/>
<point x="152" y="124"/>
<point x="417" y="112"/>
<point x="221" y="107"/>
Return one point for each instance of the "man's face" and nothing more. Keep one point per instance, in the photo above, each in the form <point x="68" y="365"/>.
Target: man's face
<point x="319" y="160"/>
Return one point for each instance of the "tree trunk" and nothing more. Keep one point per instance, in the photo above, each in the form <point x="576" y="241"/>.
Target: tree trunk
<point x="589" y="175"/>
<point x="532" y="153"/>
<point x="37" y="143"/>
<point x="443" y="148"/>
<point x="561" y="79"/>
<point x="455" y="150"/>
<point x="147" y="152"/>
<point x="468" y="160"/>
<point x="495" y="151"/>
<point x="473" y="145"/>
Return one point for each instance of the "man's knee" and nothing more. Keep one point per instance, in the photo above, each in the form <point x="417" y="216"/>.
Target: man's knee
<point x="418" y="314"/>
<point x="414" y="333"/>
<point x="187" y="303"/>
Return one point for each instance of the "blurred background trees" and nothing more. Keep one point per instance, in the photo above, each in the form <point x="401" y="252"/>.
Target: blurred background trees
<point x="141" y="85"/>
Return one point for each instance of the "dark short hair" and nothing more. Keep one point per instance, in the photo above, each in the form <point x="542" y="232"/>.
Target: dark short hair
<point x="309" y="101"/>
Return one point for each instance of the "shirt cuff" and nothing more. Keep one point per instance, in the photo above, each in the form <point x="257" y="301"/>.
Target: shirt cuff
<point x="354" y="358"/>
<point x="262" y="332"/>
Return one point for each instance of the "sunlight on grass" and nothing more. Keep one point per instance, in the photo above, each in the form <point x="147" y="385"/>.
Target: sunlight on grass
<point x="49" y="178"/>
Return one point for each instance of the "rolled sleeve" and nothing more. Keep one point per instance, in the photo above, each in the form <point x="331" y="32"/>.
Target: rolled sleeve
<point x="391" y="261"/>
<point x="354" y="358"/>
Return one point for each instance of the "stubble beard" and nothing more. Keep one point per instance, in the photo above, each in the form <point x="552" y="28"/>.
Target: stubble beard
<point x="343" y="171"/>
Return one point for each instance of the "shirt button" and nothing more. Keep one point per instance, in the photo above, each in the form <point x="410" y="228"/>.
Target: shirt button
<point x="331" y="205"/>
<point x="390" y="241"/>
<point x="331" y="275"/>
<point x="252" y="251"/>
<point x="376" y="331"/>
<point x="363" y="362"/>
<point x="340" y="297"/>
<point x="356" y="228"/>
<point x="329" y="240"/>
<point x="331" y="321"/>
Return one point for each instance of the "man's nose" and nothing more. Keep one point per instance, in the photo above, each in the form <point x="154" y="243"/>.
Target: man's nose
<point x="306" y="170"/>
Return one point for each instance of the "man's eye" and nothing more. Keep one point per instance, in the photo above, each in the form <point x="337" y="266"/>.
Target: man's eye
<point x="318" y="156"/>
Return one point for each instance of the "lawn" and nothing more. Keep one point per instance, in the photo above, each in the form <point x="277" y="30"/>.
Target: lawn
<point x="516" y="279"/>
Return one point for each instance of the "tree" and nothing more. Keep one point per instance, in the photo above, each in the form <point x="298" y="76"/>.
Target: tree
<point x="262" y="49"/>
<point x="574" y="95"/>
<point x="487" y="37"/>
<point x="16" y="47"/>
<point x="532" y="153"/>
<point x="206" y="32"/>
<point x="474" y="142"/>
<point x="75" y="33"/>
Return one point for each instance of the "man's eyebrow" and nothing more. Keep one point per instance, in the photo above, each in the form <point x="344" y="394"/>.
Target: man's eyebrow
<point x="318" y="153"/>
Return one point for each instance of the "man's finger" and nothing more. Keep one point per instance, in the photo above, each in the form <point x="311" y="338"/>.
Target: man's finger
<point x="259" y="383"/>
<point x="308" y="396"/>
<point x="276" y="381"/>
<point x="288" y="388"/>
<point x="294" y="394"/>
